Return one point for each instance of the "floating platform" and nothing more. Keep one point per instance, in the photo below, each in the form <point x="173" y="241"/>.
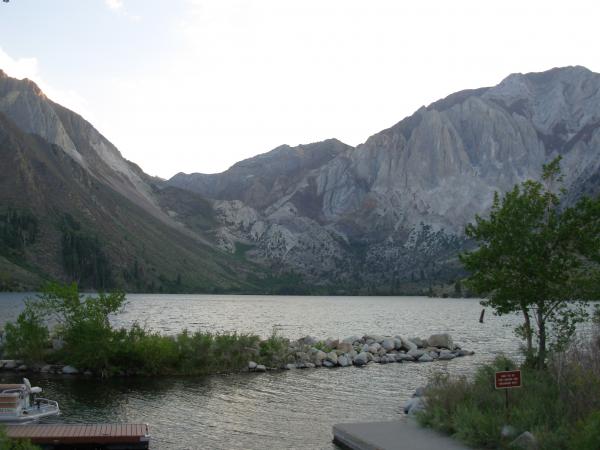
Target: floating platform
<point x="110" y="436"/>
<point x="394" y="435"/>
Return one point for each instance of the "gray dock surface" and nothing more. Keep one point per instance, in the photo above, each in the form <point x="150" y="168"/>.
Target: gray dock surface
<point x="394" y="435"/>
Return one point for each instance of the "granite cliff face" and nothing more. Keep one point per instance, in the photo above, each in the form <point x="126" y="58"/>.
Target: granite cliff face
<point x="392" y="211"/>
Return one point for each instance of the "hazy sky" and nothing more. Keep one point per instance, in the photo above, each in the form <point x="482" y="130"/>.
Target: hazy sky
<point x="196" y="85"/>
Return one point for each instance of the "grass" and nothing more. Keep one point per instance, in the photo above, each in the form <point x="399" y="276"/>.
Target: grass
<point x="560" y="405"/>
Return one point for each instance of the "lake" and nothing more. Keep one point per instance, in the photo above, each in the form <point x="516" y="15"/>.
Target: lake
<point x="288" y="409"/>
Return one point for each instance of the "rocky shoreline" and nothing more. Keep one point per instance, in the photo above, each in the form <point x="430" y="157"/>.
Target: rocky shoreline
<point x="309" y="352"/>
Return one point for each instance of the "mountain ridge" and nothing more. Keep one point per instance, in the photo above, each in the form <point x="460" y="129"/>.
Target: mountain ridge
<point x="386" y="216"/>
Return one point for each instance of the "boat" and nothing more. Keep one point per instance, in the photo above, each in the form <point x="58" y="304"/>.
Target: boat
<point x="20" y="403"/>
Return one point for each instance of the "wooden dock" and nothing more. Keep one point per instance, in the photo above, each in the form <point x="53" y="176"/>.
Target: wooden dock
<point x="113" y="436"/>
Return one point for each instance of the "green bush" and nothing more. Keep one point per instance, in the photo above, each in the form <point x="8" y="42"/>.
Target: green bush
<point x="91" y="343"/>
<point x="587" y="433"/>
<point x="474" y="411"/>
<point x="274" y="351"/>
<point x="27" y="338"/>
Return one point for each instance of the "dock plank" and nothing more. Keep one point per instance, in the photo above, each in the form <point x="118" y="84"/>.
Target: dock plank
<point x="120" y="434"/>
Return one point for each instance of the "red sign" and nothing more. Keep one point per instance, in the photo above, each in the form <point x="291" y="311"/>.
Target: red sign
<point x="508" y="379"/>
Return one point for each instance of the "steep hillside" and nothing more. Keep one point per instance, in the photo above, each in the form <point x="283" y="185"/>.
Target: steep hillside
<point x="389" y="213"/>
<point x="72" y="208"/>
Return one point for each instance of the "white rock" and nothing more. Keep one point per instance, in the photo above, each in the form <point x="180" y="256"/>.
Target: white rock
<point x="443" y="340"/>
<point x="10" y="364"/>
<point x="252" y="365"/>
<point x="525" y="441"/>
<point x="388" y="344"/>
<point x="361" y="359"/>
<point x="416" y="353"/>
<point x="332" y="357"/>
<point x="425" y="358"/>
<point x="69" y="370"/>
<point x="261" y="368"/>
<point x="343" y="361"/>
<point x="374" y="347"/>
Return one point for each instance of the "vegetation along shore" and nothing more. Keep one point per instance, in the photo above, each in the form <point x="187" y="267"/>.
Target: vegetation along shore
<point x="83" y="341"/>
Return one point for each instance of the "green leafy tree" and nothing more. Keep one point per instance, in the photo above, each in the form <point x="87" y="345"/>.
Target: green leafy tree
<point x="83" y="323"/>
<point x="537" y="258"/>
<point x="27" y="338"/>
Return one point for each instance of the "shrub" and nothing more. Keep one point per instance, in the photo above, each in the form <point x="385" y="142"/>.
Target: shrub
<point x="27" y="338"/>
<point x="274" y="351"/>
<point x="587" y="433"/>
<point x="559" y="405"/>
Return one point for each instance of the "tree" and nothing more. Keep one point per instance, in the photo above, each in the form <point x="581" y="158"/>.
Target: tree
<point x="538" y="258"/>
<point x="83" y="322"/>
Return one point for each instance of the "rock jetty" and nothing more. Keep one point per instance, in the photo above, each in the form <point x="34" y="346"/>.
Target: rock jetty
<point x="308" y="352"/>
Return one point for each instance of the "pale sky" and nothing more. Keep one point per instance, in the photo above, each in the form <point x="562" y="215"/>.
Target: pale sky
<point x="197" y="85"/>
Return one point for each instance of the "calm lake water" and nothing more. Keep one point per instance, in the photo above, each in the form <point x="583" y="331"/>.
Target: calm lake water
<point x="291" y="409"/>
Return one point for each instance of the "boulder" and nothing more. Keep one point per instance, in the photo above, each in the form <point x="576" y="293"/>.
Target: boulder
<point x="420" y="343"/>
<point x="345" y="347"/>
<point x="419" y="392"/>
<point x="361" y="359"/>
<point x="10" y="364"/>
<point x="252" y="365"/>
<point x="309" y="365"/>
<point x="22" y="368"/>
<point x="404" y="357"/>
<point x="343" y="361"/>
<point x="307" y="340"/>
<point x="408" y="345"/>
<point x="46" y="369"/>
<point x="446" y="355"/>
<point x="414" y="405"/>
<point x="388" y="344"/>
<point x="426" y="357"/>
<point x="352" y="354"/>
<point x="443" y="340"/>
<point x="332" y="343"/>
<point x="290" y="366"/>
<point x="416" y="353"/>
<point x="88" y="373"/>
<point x="69" y="370"/>
<point x="374" y="347"/>
<point x="398" y="344"/>
<point x="350" y="339"/>
<point x="525" y="441"/>
<point x="365" y="348"/>
<point x="328" y="363"/>
<point x="260" y="368"/>
<point x="508" y="432"/>
<point x="320" y="356"/>
<point x="332" y="357"/>
<point x="464" y="353"/>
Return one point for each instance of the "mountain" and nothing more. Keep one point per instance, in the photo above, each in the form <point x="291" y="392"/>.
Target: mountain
<point x="389" y="214"/>
<point x="72" y="208"/>
<point x="386" y="216"/>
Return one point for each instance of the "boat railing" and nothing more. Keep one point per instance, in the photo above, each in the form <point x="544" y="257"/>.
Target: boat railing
<point x="46" y="403"/>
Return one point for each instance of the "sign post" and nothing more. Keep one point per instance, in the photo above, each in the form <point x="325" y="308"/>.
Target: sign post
<point x="508" y="379"/>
